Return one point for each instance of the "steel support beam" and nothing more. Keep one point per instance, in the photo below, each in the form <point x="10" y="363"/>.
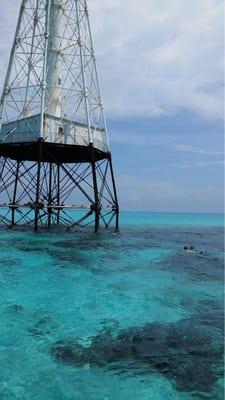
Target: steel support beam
<point x="14" y="193"/>
<point x="40" y="192"/>
<point x="37" y="199"/>
<point x="96" y="205"/>
<point x="50" y="196"/>
<point x="115" y="193"/>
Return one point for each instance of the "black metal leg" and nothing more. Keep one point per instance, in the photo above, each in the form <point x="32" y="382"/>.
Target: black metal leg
<point x="58" y="193"/>
<point x="37" y="200"/>
<point x="95" y="187"/>
<point x="13" y="205"/>
<point x="50" y="196"/>
<point x="115" y="194"/>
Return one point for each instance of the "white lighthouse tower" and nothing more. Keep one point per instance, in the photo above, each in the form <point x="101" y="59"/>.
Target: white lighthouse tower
<point x="51" y="114"/>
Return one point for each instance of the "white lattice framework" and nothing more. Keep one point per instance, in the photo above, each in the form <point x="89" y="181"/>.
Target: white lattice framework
<point x="52" y="76"/>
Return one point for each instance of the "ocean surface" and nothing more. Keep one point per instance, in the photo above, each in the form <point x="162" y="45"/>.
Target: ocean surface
<point x="114" y="316"/>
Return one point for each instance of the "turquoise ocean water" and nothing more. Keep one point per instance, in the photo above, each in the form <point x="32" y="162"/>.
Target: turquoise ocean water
<point x="128" y="315"/>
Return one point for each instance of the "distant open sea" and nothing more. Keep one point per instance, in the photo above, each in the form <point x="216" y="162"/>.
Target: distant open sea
<point x="114" y="316"/>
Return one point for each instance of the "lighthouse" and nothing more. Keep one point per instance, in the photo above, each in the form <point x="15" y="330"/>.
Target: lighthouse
<point x="56" y="164"/>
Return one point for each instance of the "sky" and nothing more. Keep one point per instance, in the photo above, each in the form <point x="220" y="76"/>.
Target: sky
<point x="161" y="73"/>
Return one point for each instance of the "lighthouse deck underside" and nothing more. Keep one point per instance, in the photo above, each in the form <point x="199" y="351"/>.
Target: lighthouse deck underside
<point x="52" y="152"/>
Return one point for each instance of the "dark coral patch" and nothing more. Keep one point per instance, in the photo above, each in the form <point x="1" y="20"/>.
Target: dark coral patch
<point x="207" y="267"/>
<point x="44" y="326"/>
<point x="14" y="308"/>
<point x="184" y="352"/>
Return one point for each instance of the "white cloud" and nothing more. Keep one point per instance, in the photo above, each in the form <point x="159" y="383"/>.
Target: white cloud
<point x="137" y="193"/>
<point x="209" y="163"/>
<point x="160" y="56"/>
<point x="156" y="57"/>
<point x="199" y="164"/>
<point x="191" y="149"/>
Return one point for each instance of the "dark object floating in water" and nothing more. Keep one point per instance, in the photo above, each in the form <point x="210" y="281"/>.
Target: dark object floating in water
<point x="184" y="352"/>
<point x="190" y="248"/>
